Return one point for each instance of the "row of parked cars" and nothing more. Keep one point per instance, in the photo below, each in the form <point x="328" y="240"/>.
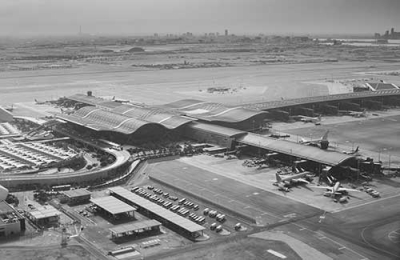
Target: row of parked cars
<point x="162" y="198"/>
<point x="373" y="193"/>
<point x="214" y="214"/>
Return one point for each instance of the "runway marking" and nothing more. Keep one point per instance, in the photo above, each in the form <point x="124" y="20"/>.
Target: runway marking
<point x="341" y="248"/>
<point x="276" y="254"/>
<point x="255" y="193"/>
<point x="231" y="201"/>
<point x="301" y="229"/>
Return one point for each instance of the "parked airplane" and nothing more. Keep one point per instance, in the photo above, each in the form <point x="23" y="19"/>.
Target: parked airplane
<point x="307" y="119"/>
<point x="316" y="141"/>
<point x="120" y="100"/>
<point x="67" y="111"/>
<point x="352" y="152"/>
<point x="10" y="108"/>
<point x="354" y="113"/>
<point x="283" y="183"/>
<point x="335" y="190"/>
<point x="40" y="102"/>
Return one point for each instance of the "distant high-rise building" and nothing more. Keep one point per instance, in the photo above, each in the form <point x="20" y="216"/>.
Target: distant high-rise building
<point x="392" y="31"/>
<point x="226" y="32"/>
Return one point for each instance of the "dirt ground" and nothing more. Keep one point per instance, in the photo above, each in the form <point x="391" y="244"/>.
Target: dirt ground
<point x="74" y="252"/>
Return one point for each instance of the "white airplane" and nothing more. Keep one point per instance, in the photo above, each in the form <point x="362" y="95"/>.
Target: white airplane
<point x="316" y="141"/>
<point x="10" y="108"/>
<point x="120" y="100"/>
<point x="307" y="119"/>
<point x="67" y="111"/>
<point x="38" y="102"/>
<point x="335" y="190"/>
<point x="285" y="182"/>
<point x="354" y="113"/>
<point x="352" y="152"/>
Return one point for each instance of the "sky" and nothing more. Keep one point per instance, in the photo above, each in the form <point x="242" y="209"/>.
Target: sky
<point x="141" y="17"/>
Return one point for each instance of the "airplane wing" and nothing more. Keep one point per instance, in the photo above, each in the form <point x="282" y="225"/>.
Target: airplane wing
<point x="301" y="180"/>
<point x="346" y="189"/>
<point x="302" y="140"/>
<point x="323" y="187"/>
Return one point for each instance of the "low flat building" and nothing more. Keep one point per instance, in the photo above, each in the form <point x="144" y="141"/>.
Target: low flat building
<point x="135" y="229"/>
<point x="44" y="216"/>
<point x="113" y="207"/>
<point x="77" y="196"/>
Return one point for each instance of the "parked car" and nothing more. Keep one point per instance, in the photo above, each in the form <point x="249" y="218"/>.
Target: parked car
<point x="213" y="226"/>
<point x="218" y="229"/>
<point x="212" y="213"/>
<point x="238" y="226"/>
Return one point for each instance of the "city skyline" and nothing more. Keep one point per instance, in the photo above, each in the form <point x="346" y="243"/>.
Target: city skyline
<point x="46" y="17"/>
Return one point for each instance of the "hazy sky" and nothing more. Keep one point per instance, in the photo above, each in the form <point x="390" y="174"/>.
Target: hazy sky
<point x="20" y="17"/>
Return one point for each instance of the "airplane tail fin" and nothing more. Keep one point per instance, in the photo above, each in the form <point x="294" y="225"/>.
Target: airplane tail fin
<point x="356" y="150"/>
<point x="325" y="137"/>
<point x="278" y="177"/>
